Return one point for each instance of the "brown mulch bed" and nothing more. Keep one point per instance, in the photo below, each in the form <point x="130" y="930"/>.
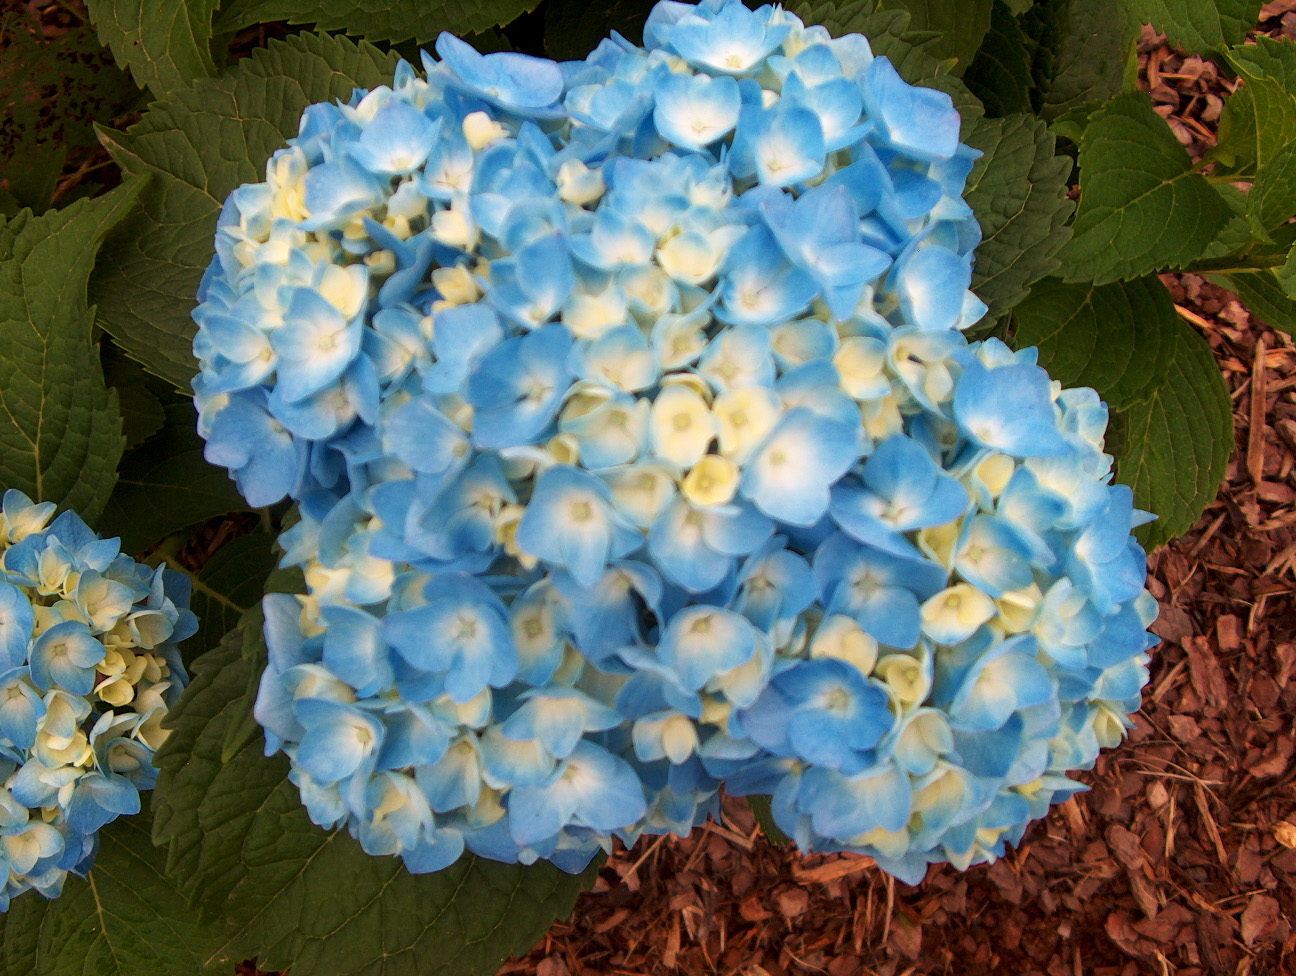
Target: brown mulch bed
<point x="1181" y="860"/>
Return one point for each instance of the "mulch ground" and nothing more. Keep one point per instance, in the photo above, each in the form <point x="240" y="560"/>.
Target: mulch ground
<point x="1181" y="859"/>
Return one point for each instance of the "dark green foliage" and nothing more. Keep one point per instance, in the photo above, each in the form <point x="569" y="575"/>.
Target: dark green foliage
<point x="1083" y="50"/>
<point x="1001" y="73"/>
<point x="1159" y="377"/>
<point x="165" y="45"/>
<point x="1143" y="207"/>
<point x="61" y="433"/>
<point x="1017" y="190"/>
<point x="1259" y="120"/>
<point x="961" y="24"/>
<point x="164" y="486"/>
<point x="1201" y="26"/>
<point x="244" y="851"/>
<point x="138" y="395"/>
<point x="125" y="919"/>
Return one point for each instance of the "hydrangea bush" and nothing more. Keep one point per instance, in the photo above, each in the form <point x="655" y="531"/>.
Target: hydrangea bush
<point x="639" y="450"/>
<point x="88" y="669"/>
<point x="721" y="407"/>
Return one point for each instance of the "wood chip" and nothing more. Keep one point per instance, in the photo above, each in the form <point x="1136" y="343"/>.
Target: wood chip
<point x="1259" y="919"/>
<point x="833" y="870"/>
<point x="1255" y="438"/>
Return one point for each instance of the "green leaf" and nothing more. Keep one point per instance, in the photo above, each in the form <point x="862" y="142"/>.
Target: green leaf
<point x="1198" y="26"/>
<point x="1168" y="399"/>
<point x="962" y="24"/>
<point x="1236" y="234"/>
<point x="164" y="486"/>
<point x="1272" y="199"/>
<point x="142" y="412"/>
<point x="1286" y="275"/>
<point x="166" y="45"/>
<point x="60" y="428"/>
<point x="1081" y="51"/>
<point x="295" y="895"/>
<point x="1256" y="270"/>
<point x="1000" y="74"/>
<point x="1266" y="295"/>
<point x="1017" y="190"/>
<point x="1070" y="125"/>
<point x="125" y="919"/>
<point x="1142" y="207"/>
<point x="1259" y="119"/>
<point x="146" y="283"/>
<point x="379" y="20"/>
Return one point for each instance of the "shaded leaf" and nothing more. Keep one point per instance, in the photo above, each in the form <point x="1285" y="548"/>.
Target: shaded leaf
<point x="1234" y="235"/>
<point x="378" y="20"/>
<point x="1082" y="52"/>
<point x="1198" y="26"/>
<point x="1142" y="207"/>
<point x="961" y="24"/>
<point x="1000" y="74"/>
<point x="1257" y="271"/>
<point x="60" y="428"/>
<point x="1264" y="294"/>
<point x="125" y="919"/>
<point x="146" y="283"/>
<point x="165" y="485"/>
<point x="293" y="894"/>
<point x="1170" y="409"/>
<point x="1259" y="119"/>
<point x="1272" y="199"/>
<point x="1017" y="190"/>
<point x="165" y="45"/>
<point x="141" y="409"/>
<point x="1286" y="275"/>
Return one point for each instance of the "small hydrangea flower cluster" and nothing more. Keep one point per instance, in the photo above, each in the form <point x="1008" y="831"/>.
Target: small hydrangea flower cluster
<point x="88" y="669"/>
<point x="638" y="450"/>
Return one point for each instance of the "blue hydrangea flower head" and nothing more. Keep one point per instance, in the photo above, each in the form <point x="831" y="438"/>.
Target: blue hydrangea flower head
<point x="89" y="667"/>
<point x="640" y="451"/>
